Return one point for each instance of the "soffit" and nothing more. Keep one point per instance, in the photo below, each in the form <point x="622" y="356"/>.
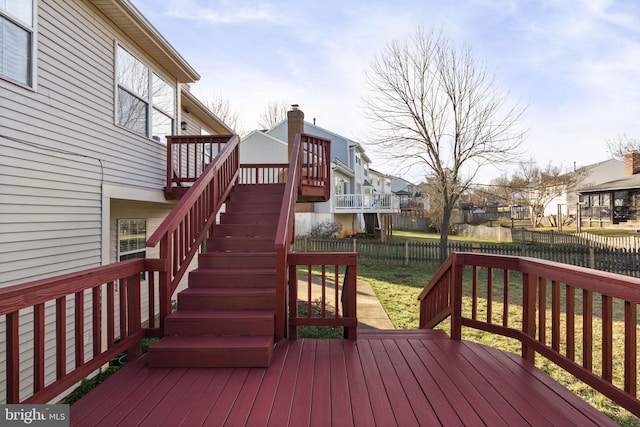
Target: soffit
<point x="126" y="17"/>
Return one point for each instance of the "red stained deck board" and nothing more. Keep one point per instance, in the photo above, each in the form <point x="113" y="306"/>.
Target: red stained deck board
<point x="203" y="405"/>
<point x="415" y="394"/>
<point x="504" y="385"/>
<point x="380" y="404"/>
<point x="220" y="411"/>
<point x="443" y="409"/>
<point x="446" y="386"/>
<point x="395" y="391"/>
<point x="286" y="386"/>
<point x="321" y="403"/>
<point x="240" y="411"/>
<point x="141" y="402"/>
<point x="383" y="379"/>
<point x="360" y="403"/>
<point x="477" y="394"/>
<point x="341" y="414"/>
<point x="556" y="411"/>
<point x="301" y="404"/>
<point x="586" y="411"/>
<point x="264" y="401"/>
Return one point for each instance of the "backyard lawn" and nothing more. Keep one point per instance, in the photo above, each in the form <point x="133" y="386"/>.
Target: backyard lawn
<point x="398" y="287"/>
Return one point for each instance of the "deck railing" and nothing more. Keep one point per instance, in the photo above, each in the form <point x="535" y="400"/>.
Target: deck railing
<point x="329" y="294"/>
<point x="112" y="292"/>
<point x="263" y="173"/>
<point x="188" y="156"/>
<point x="367" y="202"/>
<point x="184" y="229"/>
<point x="558" y="311"/>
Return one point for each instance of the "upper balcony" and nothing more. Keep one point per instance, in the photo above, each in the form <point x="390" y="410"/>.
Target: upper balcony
<point x="189" y="155"/>
<point x="366" y="203"/>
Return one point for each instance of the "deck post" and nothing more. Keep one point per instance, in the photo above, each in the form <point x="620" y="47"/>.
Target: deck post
<point x="456" y="298"/>
<point x="529" y="282"/>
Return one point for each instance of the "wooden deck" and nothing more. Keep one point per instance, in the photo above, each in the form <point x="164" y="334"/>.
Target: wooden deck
<point x="385" y="378"/>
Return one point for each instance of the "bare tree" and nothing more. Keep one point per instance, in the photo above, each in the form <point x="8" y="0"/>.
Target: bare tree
<point x="221" y="107"/>
<point x="275" y="112"/>
<point x="622" y="145"/>
<point x="432" y="104"/>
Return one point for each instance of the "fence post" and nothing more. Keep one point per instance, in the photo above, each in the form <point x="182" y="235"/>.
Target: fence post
<point x="406" y="253"/>
<point x="592" y="257"/>
<point x="355" y="247"/>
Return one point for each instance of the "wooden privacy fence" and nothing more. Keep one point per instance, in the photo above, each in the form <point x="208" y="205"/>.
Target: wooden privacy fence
<point x="621" y="261"/>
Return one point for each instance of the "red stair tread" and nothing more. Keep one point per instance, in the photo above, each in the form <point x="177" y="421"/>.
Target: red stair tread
<point x="230" y="291"/>
<point x="188" y="315"/>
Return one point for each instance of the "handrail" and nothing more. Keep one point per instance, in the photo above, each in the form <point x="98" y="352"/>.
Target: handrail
<point x="115" y="321"/>
<point x="184" y="229"/>
<point x="285" y="235"/>
<point x="542" y="308"/>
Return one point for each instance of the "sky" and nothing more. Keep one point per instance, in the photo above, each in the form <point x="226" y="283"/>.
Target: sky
<point x="574" y="64"/>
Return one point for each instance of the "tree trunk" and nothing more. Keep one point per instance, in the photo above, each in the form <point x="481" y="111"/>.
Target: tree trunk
<point x="444" y="232"/>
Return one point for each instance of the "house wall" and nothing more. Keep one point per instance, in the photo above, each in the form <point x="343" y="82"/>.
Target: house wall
<point x="60" y="145"/>
<point x="66" y="168"/>
<point x="260" y="148"/>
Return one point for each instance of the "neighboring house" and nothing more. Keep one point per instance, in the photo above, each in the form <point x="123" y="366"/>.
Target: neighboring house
<point x="615" y="202"/>
<point x="357" y="203"/>
<point x="412" y="202"/>
<point x="89" y="91"/>
<point x="590" y="175"/>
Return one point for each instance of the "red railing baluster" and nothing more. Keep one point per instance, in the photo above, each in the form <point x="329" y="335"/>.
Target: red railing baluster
<point x="79" y="328"/>
<point x="38" y="347"/>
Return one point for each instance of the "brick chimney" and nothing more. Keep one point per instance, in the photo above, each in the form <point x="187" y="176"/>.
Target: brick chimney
<point x="632" y="163"/>
<point x="295" y="119"/>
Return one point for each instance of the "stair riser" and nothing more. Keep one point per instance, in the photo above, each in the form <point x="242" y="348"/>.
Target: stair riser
<point x="258" y="188"/>
<point x="226" y="302"/>
<point x="219" y="327"/>
<point x="232" y="260"/>
<point x="215" y="358"/>
<point x="244" y="207"/>
<point x="249" y="218"/>
<point x="258" y="197"/>
<point x="205" y="279"/>
<point x="241" y="245"/>
<point x="245" y="230"/>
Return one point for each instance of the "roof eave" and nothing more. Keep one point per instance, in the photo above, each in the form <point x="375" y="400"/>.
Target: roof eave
<point x="129" y="19"/>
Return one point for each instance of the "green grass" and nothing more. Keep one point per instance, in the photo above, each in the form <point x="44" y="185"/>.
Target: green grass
<point x="421" y="236"/>
<point x="397" y="288"/>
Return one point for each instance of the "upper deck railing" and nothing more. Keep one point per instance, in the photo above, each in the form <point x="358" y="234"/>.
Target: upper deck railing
<point x="187" y="158"/>
<point x="555" y="317"/>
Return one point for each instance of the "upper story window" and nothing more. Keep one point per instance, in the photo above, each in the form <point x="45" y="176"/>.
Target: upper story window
<point x="145" y="103"/>
<point x="16" y="40"/>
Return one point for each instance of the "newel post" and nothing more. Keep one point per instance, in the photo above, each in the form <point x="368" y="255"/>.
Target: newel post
<point x="164" y="280"/>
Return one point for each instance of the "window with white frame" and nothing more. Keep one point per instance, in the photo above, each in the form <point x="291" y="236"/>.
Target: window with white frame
<point x="16" y="40"/>
<point x="145" y="103"/>
<point x="132" y="238"/>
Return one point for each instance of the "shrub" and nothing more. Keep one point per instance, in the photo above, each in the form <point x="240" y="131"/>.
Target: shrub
<point x="325" y="230"/>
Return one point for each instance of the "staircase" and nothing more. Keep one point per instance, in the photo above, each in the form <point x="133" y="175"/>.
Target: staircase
<point x="225" y="318"/>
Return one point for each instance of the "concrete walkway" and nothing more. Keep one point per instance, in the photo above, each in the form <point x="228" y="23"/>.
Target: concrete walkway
<point x="370" y="313"/>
